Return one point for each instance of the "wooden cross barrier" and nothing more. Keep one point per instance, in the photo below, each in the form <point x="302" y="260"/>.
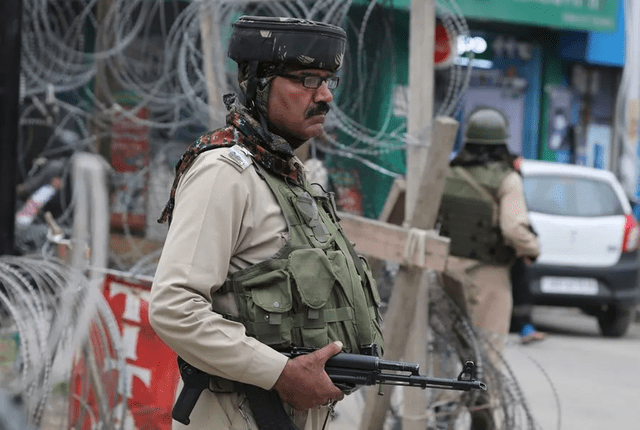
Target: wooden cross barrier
<point x="385" y="241"/>
<point x="401" y="314"/>
<point x="406" y="319"/>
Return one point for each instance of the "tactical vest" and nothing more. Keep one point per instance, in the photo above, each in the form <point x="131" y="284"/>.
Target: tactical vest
<point x="468" y="214"/>
<point x="315" y="289"/>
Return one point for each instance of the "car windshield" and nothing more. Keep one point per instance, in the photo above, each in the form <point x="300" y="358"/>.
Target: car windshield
<point x="571" y="196"/>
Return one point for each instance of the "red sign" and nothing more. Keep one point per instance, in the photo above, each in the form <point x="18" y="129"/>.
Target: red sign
<point x="444" y="49"/>
<point x="151" y="369"/>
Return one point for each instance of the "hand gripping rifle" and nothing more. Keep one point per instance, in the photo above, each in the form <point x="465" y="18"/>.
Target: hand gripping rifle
<point x="347" y="371"/>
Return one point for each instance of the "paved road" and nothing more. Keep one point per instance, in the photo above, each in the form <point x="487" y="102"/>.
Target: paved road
<point x="573" y="380"/>
<point x="596" y="379"/>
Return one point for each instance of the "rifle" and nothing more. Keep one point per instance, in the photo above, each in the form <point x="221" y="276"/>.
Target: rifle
<point x="352" y="371"/>
<point x="347" y="371"/>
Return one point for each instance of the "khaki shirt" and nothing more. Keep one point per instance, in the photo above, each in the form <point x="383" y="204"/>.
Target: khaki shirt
<point x="225" y="219"/>
<point x="514" y="218"/>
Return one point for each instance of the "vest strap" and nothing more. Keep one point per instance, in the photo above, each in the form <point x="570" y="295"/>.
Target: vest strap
<point x="225" y="288"/>
<point x="268" y="332"/>
<point x="317" y="318"/>
<point x="374" y="313"/>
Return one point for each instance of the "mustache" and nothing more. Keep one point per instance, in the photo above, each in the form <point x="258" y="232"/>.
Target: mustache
<point x="319" y="108"/>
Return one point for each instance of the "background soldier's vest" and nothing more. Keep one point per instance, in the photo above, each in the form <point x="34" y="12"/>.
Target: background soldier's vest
<point x="469" y="213"/>
<point x="310" y="293"/>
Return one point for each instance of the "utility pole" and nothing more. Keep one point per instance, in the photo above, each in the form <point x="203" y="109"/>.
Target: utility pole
<point x="10" y="32"/>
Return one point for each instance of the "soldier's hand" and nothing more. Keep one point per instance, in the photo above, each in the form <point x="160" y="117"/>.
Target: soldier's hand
<point x="303" y="382"/>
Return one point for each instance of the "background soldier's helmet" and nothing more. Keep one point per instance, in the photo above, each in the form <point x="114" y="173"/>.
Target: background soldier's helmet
<point x="487" y="126"/>
<point x="295" y="41"/>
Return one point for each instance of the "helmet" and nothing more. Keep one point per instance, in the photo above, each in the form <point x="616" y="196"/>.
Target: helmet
<point x="309" y="44"/>
<point x="487" y="126"/>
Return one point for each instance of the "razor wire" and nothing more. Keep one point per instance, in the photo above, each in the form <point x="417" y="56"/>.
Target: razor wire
<point x="87" y="63"/>
<point x="66" y="340"/>
<point x="452" y="340"/>
<point x="163" y="67"/>
<point x="45" y="309"/>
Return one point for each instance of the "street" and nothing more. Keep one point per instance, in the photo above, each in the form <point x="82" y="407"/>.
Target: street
<point x="595" y="379"/>
<point x="573" y="380"/>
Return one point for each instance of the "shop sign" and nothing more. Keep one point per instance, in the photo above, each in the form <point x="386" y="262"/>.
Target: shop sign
<point x="588" y="15"/>
<point x="444" y="51"/>
<point x="585" y="15"/>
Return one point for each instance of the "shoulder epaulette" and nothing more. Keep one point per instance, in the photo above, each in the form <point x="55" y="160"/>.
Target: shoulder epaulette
<point x="238" y="157"/>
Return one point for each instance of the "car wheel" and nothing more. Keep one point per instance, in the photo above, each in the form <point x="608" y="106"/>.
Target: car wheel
<point x="615" y="321"/>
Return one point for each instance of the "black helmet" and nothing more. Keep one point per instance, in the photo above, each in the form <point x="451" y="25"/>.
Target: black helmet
<point x="309" y="44"/>
<point x="487" y="125"/>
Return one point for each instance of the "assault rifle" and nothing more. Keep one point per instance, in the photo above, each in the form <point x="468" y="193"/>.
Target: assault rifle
<point x="347" y="371"/>
<point x="352" y="371"/>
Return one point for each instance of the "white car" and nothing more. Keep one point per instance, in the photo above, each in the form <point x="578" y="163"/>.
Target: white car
<point x="588" y="242"/>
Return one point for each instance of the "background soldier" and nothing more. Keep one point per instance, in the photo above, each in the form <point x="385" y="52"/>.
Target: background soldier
<point x="483" y="211"/>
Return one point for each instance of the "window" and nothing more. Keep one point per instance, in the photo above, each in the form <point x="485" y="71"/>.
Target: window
<point x="571" y="196"/>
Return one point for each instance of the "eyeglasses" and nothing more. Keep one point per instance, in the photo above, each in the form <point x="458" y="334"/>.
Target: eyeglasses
<point x="314" y="82"/>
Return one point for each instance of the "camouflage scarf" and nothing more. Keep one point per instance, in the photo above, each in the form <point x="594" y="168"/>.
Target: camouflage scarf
<point x="268" y="149"/>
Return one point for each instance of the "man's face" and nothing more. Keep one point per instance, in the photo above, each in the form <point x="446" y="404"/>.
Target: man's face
<point x="295" y="112"/>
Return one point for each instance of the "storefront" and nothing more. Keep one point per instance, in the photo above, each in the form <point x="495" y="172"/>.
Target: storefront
<point x="553" y="67"/>
<point x="506" y="75"/>
<point x="563" y="80"/>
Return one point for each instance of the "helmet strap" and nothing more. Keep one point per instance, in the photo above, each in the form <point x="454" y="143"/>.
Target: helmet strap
<point x="250" y="98"/>
<point x="252" y="84"/>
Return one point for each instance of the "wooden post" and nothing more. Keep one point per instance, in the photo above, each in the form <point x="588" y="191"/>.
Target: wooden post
<point x="401" y="311"/>
<point x="400" y="315"/>
<point x="386" y="241"/>
<point x="210" y="36"/>
<point x="421" y="81"/>
<point x="419" y="122"/>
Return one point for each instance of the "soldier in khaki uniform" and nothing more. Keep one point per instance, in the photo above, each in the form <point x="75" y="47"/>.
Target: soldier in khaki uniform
<point x="255" y="261"/>
<point x="483" y="211"/>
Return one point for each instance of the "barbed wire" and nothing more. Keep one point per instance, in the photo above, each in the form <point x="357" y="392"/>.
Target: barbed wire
<point x="162" y="64"/>
<point x="87" y="65"/>
<point x="46" y="308"/>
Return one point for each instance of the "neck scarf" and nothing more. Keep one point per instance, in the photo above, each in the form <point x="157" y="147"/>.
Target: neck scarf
<point x="268" y="149"/>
